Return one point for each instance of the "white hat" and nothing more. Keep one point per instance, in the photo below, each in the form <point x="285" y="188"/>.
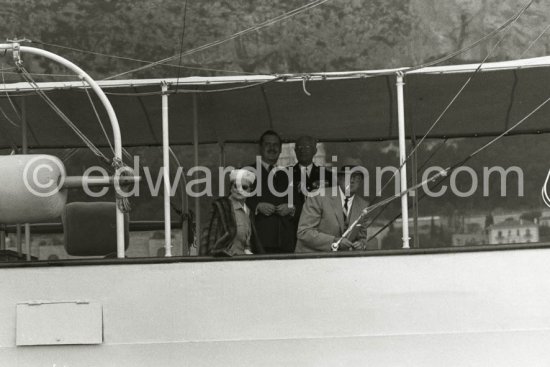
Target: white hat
<point x="242" y="175"/>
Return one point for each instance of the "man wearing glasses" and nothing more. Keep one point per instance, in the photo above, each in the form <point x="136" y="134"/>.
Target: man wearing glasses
<point x="307" y="176"/>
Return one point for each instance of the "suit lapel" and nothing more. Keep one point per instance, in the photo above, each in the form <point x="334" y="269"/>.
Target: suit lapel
<point x="314" y="175"/>
<point x="338" y="210"/>
<point x="355" y="211"/>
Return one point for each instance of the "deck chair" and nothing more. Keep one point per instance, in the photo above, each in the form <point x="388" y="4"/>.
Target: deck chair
<point x="90" y="229"/>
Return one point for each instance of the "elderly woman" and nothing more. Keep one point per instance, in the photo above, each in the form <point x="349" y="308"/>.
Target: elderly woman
<point x="231" y="231"/>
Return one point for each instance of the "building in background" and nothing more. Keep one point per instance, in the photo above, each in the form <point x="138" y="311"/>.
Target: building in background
<point x="513" y="231"/>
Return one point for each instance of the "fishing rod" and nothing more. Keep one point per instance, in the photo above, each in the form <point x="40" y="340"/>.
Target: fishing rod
<point x="358" y="222"/>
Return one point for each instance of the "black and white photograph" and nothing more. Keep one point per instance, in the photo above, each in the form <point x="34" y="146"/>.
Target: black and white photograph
<point x="274" y="183"/>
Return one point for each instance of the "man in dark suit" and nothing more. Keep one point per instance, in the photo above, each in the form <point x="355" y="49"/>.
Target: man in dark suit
<point x="270" y="202"/>
<point x="326" y="216"/>
<point x="307" y="176"/>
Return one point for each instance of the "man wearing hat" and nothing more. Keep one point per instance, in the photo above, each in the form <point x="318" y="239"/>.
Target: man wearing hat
<point x="326" y="216"/>
<point x="231" y="231"/>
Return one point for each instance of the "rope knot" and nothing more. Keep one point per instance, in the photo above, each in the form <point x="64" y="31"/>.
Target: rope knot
<point x="121" y="170"/>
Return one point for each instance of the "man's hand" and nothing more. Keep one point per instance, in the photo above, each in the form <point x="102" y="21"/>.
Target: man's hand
<point x="359" y="246"/>
<point x="283" y="210"/>
<point x="266" y="209"/>
<point x="346" y="244"/>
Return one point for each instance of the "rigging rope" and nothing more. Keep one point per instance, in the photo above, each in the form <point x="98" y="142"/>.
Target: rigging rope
<point x="511" y="128"/>
<point x="435" y="151"/>
<point x="458" y="93"/>
<point x="99" y="120"/>
<point x="10" y="121"/>
<point x="544" y="194"/>
<point x="12" y="144"/>
<point x="11" y="102"/>
<point x="536" y="39"/>
<point x="490" y="35"/>
<point x="265" y="24"/>
<point x="139" y="60"/>
<point x="181" y="44"/>
<point x="69" y="153"/>
<point x="254" y="28"/>
<point x="124" y="151"/>
<point x="424" y="137"/>
<point x="62" y="115"/>
<point x="461" y="89"/>
<point x="314" y="4"/>
<point x="123" y="202"/>
<point x="184" y="211"/>
<point x="544" y="191"/>
<point x="458" y="164"/>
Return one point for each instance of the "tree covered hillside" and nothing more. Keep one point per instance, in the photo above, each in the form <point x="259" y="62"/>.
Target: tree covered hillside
<point x="336" y="35"/>
<point x="107" y="38"/>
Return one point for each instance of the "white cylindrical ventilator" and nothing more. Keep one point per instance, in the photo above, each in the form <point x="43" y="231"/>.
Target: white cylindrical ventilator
<point x="29" y="188"/>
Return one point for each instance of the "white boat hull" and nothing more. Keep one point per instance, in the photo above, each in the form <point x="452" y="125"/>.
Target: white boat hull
<point x="454" y="309"/>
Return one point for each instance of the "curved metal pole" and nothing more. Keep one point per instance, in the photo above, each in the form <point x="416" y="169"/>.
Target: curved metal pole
<point x="14" y="47"/>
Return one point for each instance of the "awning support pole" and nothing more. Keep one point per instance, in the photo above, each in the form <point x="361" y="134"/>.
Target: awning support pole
<point x="166" y="172"/>
<point x="196" y="163"/>
<point x="414" y="193"/>
<point x="2" y="237"/>
<point x="185" y="249"/>
<point x="18" y="240"/>
<point x="18" y="237"/>
<point x="402" y="158"/>
<point x="25" y="150"/>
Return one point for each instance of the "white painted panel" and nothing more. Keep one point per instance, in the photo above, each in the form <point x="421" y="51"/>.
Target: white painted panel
<point x="477" y="309"/>
<point x="507" y="349"/>
<point x="59" y="323"/>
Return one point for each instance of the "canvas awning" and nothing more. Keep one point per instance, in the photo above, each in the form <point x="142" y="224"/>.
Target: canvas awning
<point x="351" y="106"/>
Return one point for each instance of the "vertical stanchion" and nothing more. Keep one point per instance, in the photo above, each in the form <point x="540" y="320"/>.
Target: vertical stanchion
<point x="2" y="237"/>
<point x="166" y="172"/>
<point x="402" y="158"/>
<point x="25" y="149"/>
<point x="414" y="193"/>
<point x="18" y="239"/>
<point x="28" y="241"/>
<point x="222" y="164"/>
<point x="185" y="249"/>
<point x="196" y="162"/>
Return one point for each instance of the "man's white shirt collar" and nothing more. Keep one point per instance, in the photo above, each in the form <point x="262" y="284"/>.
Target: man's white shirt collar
<point x="308" y="168"/>
<point x="266" y="165"/>
<point x="343" y="198"/>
